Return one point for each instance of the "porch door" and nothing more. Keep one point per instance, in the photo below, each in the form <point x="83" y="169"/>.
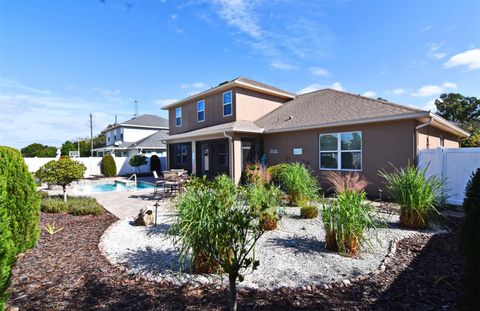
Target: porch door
<point x="220" y="163"/>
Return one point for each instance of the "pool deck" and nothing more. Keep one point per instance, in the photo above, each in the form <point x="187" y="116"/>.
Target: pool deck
<point x="124" y="204"/>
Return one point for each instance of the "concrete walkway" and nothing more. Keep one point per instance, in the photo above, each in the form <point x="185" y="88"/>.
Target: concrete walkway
<point x="127" y="204"/>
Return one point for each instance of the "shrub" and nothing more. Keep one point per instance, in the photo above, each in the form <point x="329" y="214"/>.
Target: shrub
<point x="61" y="173"/>
<point x="309" y="212"/>
<point x="471" y="243"/>
<point x="77" y="206"/>
<point x="417" y="195"/>
<point x="264" y="200"/>
<point x="255" y="173"/>
<point x="297" y="181"/>
<point x="108" y="166"/>
<point x="346" y="182"/>
<point x="54" y="205"/>
<point x="155" y="164"/>
<point x="22" y="200"/>
<point x="19" y="213"/>
<point x="345" y="222"/>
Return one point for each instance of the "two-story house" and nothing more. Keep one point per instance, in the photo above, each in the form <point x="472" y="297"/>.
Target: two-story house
<point x="142" y="134"/>
<point x="239" y="121"/>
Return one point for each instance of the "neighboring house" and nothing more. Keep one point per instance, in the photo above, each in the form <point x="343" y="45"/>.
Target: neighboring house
<point x="221" y="129"/>
<point x="143" y="134"/>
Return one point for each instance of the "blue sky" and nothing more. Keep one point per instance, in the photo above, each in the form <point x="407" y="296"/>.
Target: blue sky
<point x="61" y="60"/>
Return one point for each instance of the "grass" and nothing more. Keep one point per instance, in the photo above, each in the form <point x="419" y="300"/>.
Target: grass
<point x="75" y="205"/>
<point x="417" y="195"/>
<point x="346" y="220"/>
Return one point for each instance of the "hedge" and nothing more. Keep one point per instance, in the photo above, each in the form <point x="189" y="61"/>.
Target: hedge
<point x="108" y="166"/>
<point x="19" y="212"/>
<point x="471" y="243"/>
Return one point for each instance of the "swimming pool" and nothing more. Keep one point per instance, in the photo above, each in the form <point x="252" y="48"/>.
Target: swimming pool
<point x="112" y="186"/>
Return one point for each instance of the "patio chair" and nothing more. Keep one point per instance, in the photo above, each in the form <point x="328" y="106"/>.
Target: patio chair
<point x="159" y="182"/>
<point x="172" y="183"/>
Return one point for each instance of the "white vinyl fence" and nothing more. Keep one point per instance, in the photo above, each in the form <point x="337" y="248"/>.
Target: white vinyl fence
<point x="93" y="165"/>
<point x="455" y="165"/>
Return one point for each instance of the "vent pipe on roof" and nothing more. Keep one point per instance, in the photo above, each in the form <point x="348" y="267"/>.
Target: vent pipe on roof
<point x="115" y="120"/>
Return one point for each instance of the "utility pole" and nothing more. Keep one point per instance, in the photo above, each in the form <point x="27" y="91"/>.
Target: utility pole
<point x="135" y="105"/>
<point x="91" y="136"/>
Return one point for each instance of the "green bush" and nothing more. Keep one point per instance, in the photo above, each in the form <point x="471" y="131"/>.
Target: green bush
<point x="22" y="200"/>
<point x="416" y="194"/>
<point x="297" y="181"/>
<point x="108" y="166"/>
<point x="155" y="164"/>
<point x="264" y="200"/>
<point x="53" y="205"/>
<point x="471" y="243"/>
<point x="7" y="247"/>
<point x="77" y="206"/>
<point x="345" y="221"/>
<point x="19" y="213"/>
<point x="309" y="212"/>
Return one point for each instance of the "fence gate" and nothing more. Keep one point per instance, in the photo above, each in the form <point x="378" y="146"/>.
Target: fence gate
<point x="455" y="165"/>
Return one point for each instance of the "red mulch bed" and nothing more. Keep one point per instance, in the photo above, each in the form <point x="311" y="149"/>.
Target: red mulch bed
<point x="67" y="272"/>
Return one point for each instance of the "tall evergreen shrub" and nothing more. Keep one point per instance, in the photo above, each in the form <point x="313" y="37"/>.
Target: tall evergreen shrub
<point x="19" y="213"/>
<point x="108" y="166"/>
<point x="22" y="201"/>
<point x="155" y="164"/>
<point x="471" y="243"/>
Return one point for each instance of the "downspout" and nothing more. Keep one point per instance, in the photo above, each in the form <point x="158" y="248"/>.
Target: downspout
<point x="232" y="164"/>
<point x="416" y="135"/>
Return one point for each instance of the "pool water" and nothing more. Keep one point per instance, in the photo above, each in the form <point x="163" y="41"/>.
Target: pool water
<point x="109" y="187"/>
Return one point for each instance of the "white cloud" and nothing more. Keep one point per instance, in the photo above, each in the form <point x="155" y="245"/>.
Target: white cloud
<point x="317" y="86"/>
<point x="317" y="71"/>
<point x="470" y="58"/>
<point x="439" y="55"/>
<point x="399" y="91"/>
<point x="12" y="84"/>
<point x="164" y="102"/>
<point x="282" y="66"/>
<point x="195" y="85"/>
<point x="430" y="105"/>
<point x="370" y="94"/>
<point x="113" y="95"/>
<point x="426" y="28"/>
<point x="239" y="14"/>
<point x="431" y="89"/>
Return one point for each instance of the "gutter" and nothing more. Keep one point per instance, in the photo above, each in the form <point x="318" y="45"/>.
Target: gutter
<point x="424" y="124"/>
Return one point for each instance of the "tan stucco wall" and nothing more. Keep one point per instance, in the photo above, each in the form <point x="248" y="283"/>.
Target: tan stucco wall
<point x="213" y="114"/>
<point x="433" y="135"/>
<point x="382" y="143"/>
<point x="253" y="105"/>
<point x="247" y="105"/>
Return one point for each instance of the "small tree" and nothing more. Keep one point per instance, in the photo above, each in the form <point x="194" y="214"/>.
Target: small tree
<point x="215" y="217"/>
<point x="108" y="166"/>
<point x="61" y="173"/>
<point x="471" y="243"/>
<point x="137" y="161"/>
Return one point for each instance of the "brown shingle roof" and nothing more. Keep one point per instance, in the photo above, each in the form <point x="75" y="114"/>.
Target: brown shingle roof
<point x="329" y="107"/>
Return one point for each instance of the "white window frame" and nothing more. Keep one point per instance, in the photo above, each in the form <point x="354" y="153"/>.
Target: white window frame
<point x="224" y="104"/>
<point x="339" y="152"/>
<point x="198" y="111"/>
<point x="176" y="117"/>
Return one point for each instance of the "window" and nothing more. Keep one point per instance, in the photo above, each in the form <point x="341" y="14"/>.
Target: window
<point x="201" y="110"/>
<point x="341" y="151"/>
<point x="178" y="116"/>
<point x="227" y="103"/>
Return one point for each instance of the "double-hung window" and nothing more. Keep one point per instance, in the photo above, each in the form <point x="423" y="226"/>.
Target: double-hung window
<point x="341" y="151"/>
<point x="178" y="116"/>
<point x="201" y="110"/>
<point x="227" y="103"/>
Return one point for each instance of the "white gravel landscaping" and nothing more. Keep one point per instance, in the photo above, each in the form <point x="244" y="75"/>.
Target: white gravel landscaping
<point x="291" y="256"/>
